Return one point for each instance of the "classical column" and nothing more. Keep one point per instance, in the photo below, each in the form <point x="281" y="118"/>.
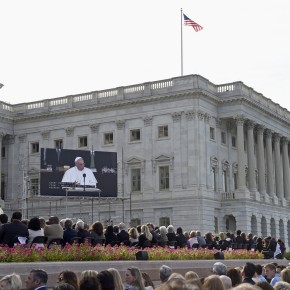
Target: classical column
<point x="285" y="160"/>
<point x="261" y="160"/>
<point x="251" y="157"/>
<point x="269" y="156"/>
<point x="240" y="148"/>
<point x="278" y="168"/>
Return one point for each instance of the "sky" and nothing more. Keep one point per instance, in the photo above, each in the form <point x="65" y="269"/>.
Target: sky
<point x="55" y="48"/>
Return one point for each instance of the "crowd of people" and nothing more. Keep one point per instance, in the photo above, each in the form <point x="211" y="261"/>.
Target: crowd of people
<point x="251" y="276"/>
<point x="147" y="235"/>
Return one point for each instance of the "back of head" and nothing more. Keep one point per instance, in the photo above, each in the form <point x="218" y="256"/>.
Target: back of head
<point x="53" y="220"/>
<point x="71" y="278"/>
<point x="34" y="224"/>
<point x="249" y="270"/>
<point x="64" y="286"/>
<point x="12" y="282"/>
<point x="235" y="276"/>
<point x="226" y="281"/>
<point x="135" y="272"/>
<point x="106" y="279"/>
<point x="68" y="224"/>
<point x="80" y="225"/>
<point x="285" y="275"/>
<point x="282" y="285"/>
<point x="213" y="282"/>
<point x="122" y="226"/>
<point x="90" y="283"/>
<point x="117" y="278"/>
<point x="190" y="275"/>
<point x="89" y="273"/>
<point x="170" y="229"/>
<point x="16" y="216"/>
<point x="239" y="232"/>
<point x="3" y="218"/>
<point x="219" y="268"/>
<point x="164" y="273"/>
<point x="179" y="230"/>
<point x="265" y="285"/>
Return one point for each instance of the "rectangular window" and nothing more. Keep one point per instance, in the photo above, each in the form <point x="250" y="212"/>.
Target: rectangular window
<point x="225" y="181"/>
<point x="58" y="144"/>
<point x="83" y="141"/>
<point x="3" y="152"/>
<point x="135" y="222"/>
<point x="34" y="186"/>
<point x="212" y="133"/>
<point x="34" y="147"/>
<point x="163" y="131"/>
<point x="108" y="138"/>
<point x="135" y="135"/>
<point x="136" y="179"/>
<point x="236" y="180"/>
<point x="224" y="138"/>
<point x="214" y="178"/>
<point x="3" y="190"/>
<point x="234" y="141"/>
<point x="164" y="221"/>
<point x="163" y="178"/>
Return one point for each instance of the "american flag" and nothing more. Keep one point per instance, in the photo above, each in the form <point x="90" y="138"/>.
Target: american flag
<point x="188" y="21"/>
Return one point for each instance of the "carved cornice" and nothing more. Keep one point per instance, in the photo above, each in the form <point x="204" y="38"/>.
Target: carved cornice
<point x="190" y="115"/>
<point x="45" y="135"/>
<point x="200" y="115"/>
<point x="148" y="121"/>
<point x="120" y="124"/>
<point x="94" y="128"/>
<point x="176" y="116"/>
<point x="9" y="139"/>
<point x="22" y="138"/>
<point x="69" y="131"/>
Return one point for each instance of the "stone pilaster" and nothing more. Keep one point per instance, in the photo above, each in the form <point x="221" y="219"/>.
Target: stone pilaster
<point x="261" y="160"/>
<point x="285" y="160"/>
<point x="278" y="168"/>
<point x="270" y="172"/>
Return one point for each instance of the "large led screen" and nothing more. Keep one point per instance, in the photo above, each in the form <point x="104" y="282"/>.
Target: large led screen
<point x="54" y="163"/>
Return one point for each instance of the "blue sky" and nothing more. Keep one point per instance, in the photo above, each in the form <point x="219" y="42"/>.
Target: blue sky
<point x="51" y="49"/>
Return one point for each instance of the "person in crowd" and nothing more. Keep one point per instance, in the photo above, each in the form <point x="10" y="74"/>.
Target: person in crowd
<point x="235" y="276"/>
<point x="69" y="277"/>
<point x="64" y="286"/>
<point x="223" y="243"/>
<point x="259" y="272"/>
<point x="171" y="234"/>
<point x="110" y="236"/>
<point x="61" y="222"/>
<point x="123" y="235"/>
<point x="133" y="236"/>
<point x="219" y="268"/>
<point x="248" y="273"/>
<point x="213" y="282"/>
<point x="145" y="238"/>
<point x="9" y="231"/>
<point x="282" y="247"/>
<point x="53" y="229"/>
<point x="82" y="233"/>
<point x="117" y="278"/>
<point x="181" y="240"/>
<point x="11" y="282"/>
<point x="153" y="233"/>
<point x="239" y="239"/>
<point x="147" y="281"/>
<point x="192" y="240"/>
<point x="35" y="230"/>
<point x="281" y="285"/>
<point x="88" y="273"/>
<point x="270" y="272"/>
<point x="285" y="275"/>
<point x="176" y="281"/>
<point x="3" y="219"/>
<point x="42" y="222"/>
<point x="227" y="282"/>
<point x="133" y="278"/>
<point x="90" y="283"/>
<point x="97" y="233"/>
<point x="106" y="279"/>
<point x="209" y="239"/>
<point x="259" y="245"/>
<point x="186" y="234"/>
<point x="164" y="273"/>
<point x="116" y="229"/>
<point x="264" y="285"/>
<point x="80" y="174"/>
<point x="69" y="232"/>
<point x="191" y="275"/>
<point x="250" y="242"/>
<point x="36" y="279"/>
<point x="200" y="239"/>
<point x="162" y="238"/>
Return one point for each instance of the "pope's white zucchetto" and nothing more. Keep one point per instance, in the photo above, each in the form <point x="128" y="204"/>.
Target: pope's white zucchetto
<point x="78" y="158"/>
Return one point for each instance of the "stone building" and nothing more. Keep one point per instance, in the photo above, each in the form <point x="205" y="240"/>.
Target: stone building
<point x="190" y="153"/>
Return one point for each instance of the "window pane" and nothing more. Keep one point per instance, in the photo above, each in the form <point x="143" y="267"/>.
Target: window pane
<point x="135" y="135"/>
<point x="164" y="177"/>
<point x="136" y="179"/>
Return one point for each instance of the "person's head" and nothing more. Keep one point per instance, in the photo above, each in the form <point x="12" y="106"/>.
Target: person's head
<point x="191" y="275"/>
<point x="11" y="282"/>
<point x="246" y="286"/>
<point x="163" y="230"/>
<point x="53" y="220"/>
<point x="116" y="229"/>
<point x="133" y="233"/>
<point x="176" y="281"/>
<point x="222" y="236"/>
<point x="147" y="280"/>
<point x="89" y="273"/>
<point x="164" y="273"/>
<point x="64" y="286"/>
<point x="117" y="278"/>
<point x="179" y="231"/>
<point x="235" y="276"/>
<point x="249" y="270"/>
<point x="213" y="282"/>
<point x="122" y="227"/>
<point x="192" y="234"/>
<point x="80" y="225"/>
<point x="227" y="282"/>
<point x="35" y="279"/>
<point x="16" y="216"/>
<point x="98" y="228"/>
<point x="69" y="277"/>
<point x="106" y="280"/>
<point x="68" y="224"/>
<point x="219" y="268"/>
<point x="281" y="285"/>
<point x="265" y="285"/>
<point x="42" y="222"/>
<point x="133" y="277"/>
<point x="3" y="218"/>
<point x="109" y="230"/>
<point x="79" y="163"/>
<point x="239" y="232"/>
<point x="285" y="275"/>
<point x="170" y="229"/>
<point x="270" y="270"/>
<point x="279" y="268"/>
<point x="34" y="224"/>
<point x="90" y="283"/>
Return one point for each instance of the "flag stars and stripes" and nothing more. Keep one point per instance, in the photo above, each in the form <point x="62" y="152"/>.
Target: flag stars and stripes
<point x="189" y="22"/>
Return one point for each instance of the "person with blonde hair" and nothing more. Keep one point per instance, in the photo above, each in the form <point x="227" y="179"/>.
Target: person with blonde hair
<point x="144" y="237"/>
<point x="117" y="279"/>
<point x="133" y="279"/>
<point x="213" y="282"/>
<point x="191" y="275"/>
<point x="89" y="273"/>
<point x="11" y="282"/>
<point x="285" y="275"/>
<point x="133" y="236"/>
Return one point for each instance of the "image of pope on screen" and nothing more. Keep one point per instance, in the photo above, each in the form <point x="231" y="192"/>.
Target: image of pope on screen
<point x="80" y="174"/>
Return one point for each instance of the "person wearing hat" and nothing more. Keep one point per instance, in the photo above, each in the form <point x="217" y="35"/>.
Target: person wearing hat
<point x="80" y="174"/>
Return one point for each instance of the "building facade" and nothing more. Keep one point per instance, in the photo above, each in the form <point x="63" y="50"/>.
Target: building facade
<point x="190" y="153"/>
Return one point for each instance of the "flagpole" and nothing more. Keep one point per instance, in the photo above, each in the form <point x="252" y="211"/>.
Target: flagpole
<point x="181" y="43"/>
